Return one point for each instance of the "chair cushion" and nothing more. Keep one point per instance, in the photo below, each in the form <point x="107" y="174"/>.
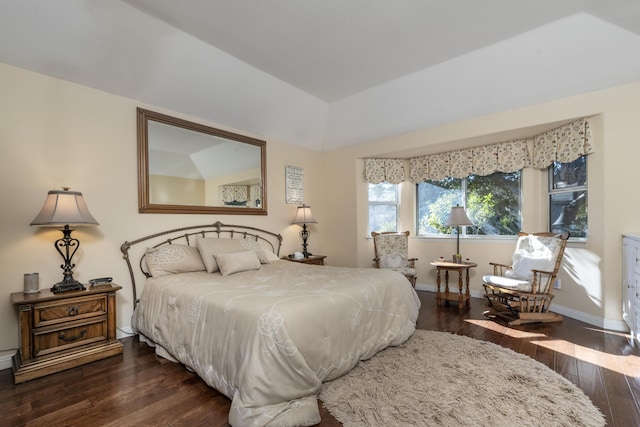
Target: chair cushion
<point x="405" y="270"/>
<point x="534" y="253"/>
<point x="507" y="283"/>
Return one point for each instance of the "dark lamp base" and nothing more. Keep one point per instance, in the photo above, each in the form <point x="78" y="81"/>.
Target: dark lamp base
<point x="67" y="287"/>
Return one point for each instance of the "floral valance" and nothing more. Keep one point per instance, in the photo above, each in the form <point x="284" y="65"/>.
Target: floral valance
<point x="564" y="144"/>
<point x="384" y="170"/>
<point x="234" y="193"/>
<point x="508" y="156"/>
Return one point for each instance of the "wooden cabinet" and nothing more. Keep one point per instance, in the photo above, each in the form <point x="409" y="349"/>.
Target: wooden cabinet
<point x="65" y="330"/>
<point x="311" y="259"/>
<point x="631" y="284"/>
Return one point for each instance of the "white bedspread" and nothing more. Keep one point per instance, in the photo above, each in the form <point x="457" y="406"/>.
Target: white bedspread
<point x="268" y="338"/>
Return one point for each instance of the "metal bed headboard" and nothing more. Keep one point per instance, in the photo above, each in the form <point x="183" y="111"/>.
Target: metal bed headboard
<point x="185" y="235"/>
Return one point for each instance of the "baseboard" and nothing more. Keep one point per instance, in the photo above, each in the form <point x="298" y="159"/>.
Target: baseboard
<point x="124" y="332"/>
<point x="613" y="325"/>
<point x="5" y="361"/>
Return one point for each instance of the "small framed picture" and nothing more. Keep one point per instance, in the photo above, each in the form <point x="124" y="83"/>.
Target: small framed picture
<point x="294" y="184"/>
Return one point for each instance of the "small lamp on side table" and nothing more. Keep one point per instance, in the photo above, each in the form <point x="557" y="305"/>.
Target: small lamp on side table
<point x="457" y="218"/>
<point x="62" y="209"/>
<point x="304" y="217"/>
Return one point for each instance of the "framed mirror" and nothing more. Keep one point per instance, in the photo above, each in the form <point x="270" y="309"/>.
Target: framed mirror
<point x="190" y="168"/>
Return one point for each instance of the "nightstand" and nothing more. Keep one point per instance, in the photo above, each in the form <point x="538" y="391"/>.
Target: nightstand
<point x="312" y="259"/>
<point x="64" y="330"/>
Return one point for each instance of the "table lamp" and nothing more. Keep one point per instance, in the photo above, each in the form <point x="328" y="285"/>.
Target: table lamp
<point x="304" y="217"/>
<point x="63" y="209"/>
<point x="457" y="217"/>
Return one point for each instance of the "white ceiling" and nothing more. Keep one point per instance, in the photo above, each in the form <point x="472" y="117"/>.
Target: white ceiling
<point x="328" y="73"/>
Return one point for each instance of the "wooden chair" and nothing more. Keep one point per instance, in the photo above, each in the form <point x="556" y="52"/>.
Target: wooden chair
<point x="522" y="292"/>
<point x="391" y="251"/>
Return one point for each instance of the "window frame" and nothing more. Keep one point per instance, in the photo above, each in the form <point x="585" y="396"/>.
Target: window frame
<point x="566" y="190"/>
<point x="396" y="204"/>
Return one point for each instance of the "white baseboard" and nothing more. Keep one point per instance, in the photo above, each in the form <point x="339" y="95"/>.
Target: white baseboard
<point x="5" y="361"/>
<point x="124" y="332"/>
<point x="613" y="325"/>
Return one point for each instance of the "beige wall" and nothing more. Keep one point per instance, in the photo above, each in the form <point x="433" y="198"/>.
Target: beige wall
<point x="54" y="134"/>
<point x="172" y="190"/>
<point x="591" y="276"/>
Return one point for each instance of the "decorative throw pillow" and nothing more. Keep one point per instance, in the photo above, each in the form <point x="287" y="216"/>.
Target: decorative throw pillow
<point x="236" y="262"/>
<point x="263" y="254"/>
<point x="172" y="259"/>
<point x="212" y="246"/>
<point x="533" y="253"/>
<point x="270" y="256"/>
<point x="393" y="261"/>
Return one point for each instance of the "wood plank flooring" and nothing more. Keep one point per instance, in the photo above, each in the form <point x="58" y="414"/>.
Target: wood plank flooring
<point x="140" y="389"/>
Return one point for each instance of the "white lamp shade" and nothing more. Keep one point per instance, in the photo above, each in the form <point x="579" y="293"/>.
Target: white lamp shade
<point x="304" y="216"/>
<point x="457" y="217"/>
<point x="64" y="207"/>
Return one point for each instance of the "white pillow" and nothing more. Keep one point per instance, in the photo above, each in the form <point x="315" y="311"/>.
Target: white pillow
<point x="212" y="246"/>
<point x="270" y="256"/>
<point x="236" y="262"/>
<point x="533" y="253"/>
<point x="393" y="261"/>
<point x="172" y="259"/>
<point x="250" y="243"/>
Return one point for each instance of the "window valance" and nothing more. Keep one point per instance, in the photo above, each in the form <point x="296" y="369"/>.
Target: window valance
<point x="564" y="144"/>
<point x="234" y="193"/>
<point x="384" y="170"/>
<point x="508" y="156"/>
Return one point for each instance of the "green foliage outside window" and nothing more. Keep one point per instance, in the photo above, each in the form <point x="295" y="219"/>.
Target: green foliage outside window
<point x="492" y="203"/>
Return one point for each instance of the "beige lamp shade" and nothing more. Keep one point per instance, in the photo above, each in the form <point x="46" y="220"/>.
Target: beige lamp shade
<point x="457" y="217"/>
<point x="304" y="216"/>
<point x="64" y="207"/>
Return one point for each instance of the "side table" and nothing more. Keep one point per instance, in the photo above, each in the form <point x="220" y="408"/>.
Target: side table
<point x="64" y="330"/>
<point x="311" y="259"/>
<point x="463" y="298"/>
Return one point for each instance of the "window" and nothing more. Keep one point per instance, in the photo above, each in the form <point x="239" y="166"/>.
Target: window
<point x="383" y="207"/>
<point x="492" y="203"/>
<point x="568" y="198"/>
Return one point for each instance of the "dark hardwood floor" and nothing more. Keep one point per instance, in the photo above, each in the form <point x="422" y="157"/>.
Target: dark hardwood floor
<point x="140" y="389"/>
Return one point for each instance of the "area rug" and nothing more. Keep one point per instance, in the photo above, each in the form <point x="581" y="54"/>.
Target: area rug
<point x="442" y="379"/>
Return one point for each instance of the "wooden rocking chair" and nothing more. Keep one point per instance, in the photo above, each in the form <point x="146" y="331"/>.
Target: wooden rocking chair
<point x="391" y="250"/>
<point x="522" y="292"/>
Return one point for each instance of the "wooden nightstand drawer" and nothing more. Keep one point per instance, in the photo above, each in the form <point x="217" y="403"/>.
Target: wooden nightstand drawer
<point x="63" y="330"/>
<point x="73" y="309"/>
<point x="70" y="335"/>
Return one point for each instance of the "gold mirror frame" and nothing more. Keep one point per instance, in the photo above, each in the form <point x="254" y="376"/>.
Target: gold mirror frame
<point x="144" y="205"/>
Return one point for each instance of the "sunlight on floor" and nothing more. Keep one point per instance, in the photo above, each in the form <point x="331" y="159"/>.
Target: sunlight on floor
<point x="626" y="364"/>
<point x="513" y="333"/>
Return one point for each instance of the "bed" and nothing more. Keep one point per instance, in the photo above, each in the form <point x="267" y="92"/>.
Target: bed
<point x="263" y="331"/>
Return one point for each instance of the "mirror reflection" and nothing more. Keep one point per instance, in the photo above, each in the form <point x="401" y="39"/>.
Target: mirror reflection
<point x="191" y="168"/>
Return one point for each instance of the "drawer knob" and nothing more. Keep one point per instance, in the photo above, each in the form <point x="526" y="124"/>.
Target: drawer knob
<point x="63" y="338"/>
<point x="72" y="311"/>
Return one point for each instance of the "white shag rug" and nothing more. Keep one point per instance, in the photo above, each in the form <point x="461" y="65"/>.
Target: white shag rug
<point x="442" y="379"/>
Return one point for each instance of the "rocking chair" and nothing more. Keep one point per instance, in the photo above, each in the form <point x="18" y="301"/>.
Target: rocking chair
<point x="391" y="250"/>
<point x="522" y="292"/>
